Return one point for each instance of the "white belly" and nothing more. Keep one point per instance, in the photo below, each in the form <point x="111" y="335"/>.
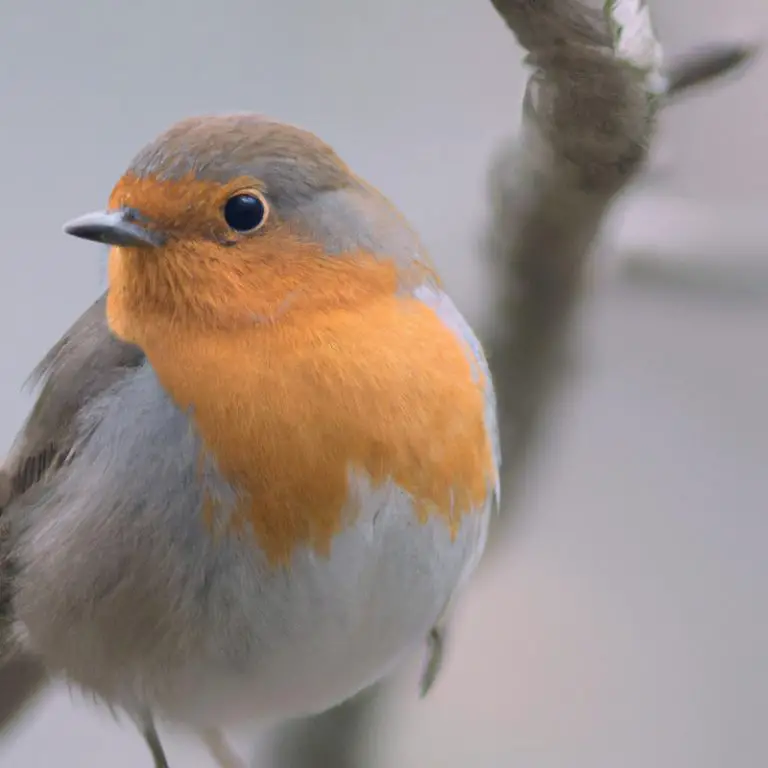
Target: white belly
<point x="310" y="637"/>
<point x="208" y="633"/>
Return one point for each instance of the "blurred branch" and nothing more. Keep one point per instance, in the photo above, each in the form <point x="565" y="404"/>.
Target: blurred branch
<point x="708" y="63"/>
<point x="338" y="738"/>
<point x="588" y="122"/>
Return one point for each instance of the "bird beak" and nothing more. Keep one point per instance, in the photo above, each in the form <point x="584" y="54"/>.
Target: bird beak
<point x="113" y="228"/>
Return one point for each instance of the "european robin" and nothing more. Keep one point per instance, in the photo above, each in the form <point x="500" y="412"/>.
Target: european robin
<point x="262" y="465"/>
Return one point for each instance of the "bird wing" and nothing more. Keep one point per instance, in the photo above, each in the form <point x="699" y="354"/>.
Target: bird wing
<point x="81" y="365"/>
<point x="85" y="362"/>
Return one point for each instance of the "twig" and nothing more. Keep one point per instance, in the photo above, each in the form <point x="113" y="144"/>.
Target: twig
<point x="708" y="63"/>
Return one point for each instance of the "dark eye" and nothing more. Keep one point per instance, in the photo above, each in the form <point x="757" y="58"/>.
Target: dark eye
<point x="245" y="211"/>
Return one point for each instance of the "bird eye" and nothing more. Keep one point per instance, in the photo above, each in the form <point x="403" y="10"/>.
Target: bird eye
<point x="245" y="211"/>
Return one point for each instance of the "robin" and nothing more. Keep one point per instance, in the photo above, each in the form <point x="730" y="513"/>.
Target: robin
<point x="262" y="465"/>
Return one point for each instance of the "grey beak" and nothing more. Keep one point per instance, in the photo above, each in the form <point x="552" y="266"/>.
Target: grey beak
<point x="113" y="228"/>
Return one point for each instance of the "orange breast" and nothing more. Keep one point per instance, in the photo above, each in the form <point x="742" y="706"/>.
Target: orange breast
<point x="290" y="409"/>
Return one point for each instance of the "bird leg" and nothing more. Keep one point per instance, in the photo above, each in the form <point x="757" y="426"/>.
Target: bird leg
<point x="155" y="746"/>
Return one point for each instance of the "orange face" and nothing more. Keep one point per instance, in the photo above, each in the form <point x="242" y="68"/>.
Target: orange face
<point x="259" y="276"/>
<point x="301" y="369"/>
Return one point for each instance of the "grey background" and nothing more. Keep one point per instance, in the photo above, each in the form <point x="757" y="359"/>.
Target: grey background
<point x="625" y="625"/>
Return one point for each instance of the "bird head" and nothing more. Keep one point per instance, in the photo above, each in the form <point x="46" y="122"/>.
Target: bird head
<point x="235" y="220"/>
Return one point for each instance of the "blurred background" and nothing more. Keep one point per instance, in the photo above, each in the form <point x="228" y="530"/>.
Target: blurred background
<point x="624" y="622"/>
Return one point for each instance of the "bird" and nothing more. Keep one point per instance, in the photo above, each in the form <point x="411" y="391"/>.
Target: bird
<point x="259" y="469"/>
